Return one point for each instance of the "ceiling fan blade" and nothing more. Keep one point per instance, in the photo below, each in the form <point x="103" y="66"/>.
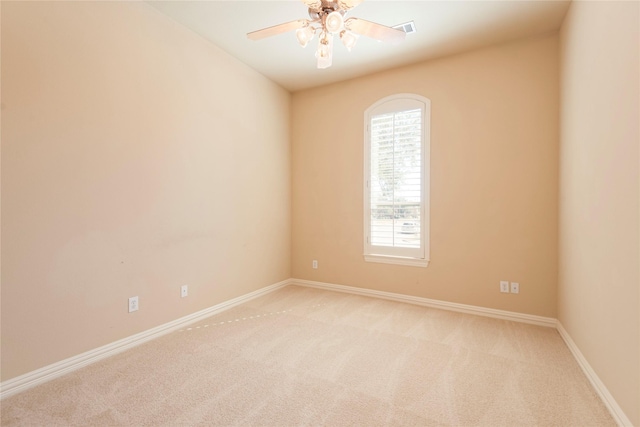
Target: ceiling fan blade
<point x="277" y="29"/>
<point x="375" y="31"/>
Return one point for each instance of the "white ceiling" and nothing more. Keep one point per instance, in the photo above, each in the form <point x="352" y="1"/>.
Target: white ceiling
<point x="443" y="28"/>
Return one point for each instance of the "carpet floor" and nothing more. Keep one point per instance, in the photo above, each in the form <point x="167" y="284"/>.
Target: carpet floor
<point x="303" y="356"/>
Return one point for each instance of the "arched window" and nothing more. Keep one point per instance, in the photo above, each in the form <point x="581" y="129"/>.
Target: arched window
<point x="396" y="193"/>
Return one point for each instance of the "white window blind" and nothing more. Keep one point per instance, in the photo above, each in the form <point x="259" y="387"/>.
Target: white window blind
<point x="395" y="193"/>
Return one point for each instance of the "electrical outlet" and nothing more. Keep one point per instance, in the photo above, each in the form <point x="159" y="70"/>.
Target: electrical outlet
<point x="315" y="263"/>
<point x="515" y="288"/>
<point x="183" y="291"/>
<point x="504" y="286"/>
<point x="133" y="304"/>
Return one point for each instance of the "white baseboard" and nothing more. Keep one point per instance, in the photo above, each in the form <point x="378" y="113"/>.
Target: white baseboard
<point x="47" y="373"/>
<point x="444" y="305"/>
<point x="616" y="412"/>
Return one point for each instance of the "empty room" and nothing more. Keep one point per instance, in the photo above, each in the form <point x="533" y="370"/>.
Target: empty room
<point x="320" y="213"/>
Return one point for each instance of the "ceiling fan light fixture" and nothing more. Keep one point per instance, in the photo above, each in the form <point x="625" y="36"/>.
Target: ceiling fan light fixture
<point x="349" y="39"/>
<point x="327" y="19"/>
<point x="325" y="51"/>
<point x="334" y="22"/>
<point x="305" y="35"/>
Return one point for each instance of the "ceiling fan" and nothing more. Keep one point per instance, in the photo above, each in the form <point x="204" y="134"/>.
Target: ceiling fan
<point x="326" y="17"/>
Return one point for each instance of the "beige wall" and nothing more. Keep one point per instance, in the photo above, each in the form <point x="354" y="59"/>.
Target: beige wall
<point x="136" y="157"/>
<point x="494" y="178"/>
<point x="599" y="277"/>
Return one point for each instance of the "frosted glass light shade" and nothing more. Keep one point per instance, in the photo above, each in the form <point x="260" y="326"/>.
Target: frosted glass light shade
<point x="349" y="39"/>
<point x="348" y="4"/>
<point x="313" y="4"/>
<point x="304" y="35"/>
<point x="334" y="22"/>
<point x="325" y="52"/>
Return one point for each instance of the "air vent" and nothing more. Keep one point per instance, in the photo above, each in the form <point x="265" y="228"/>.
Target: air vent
<point x="407" y="27"/>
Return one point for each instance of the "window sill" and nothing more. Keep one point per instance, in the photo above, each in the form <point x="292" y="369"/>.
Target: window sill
<point x="386" y="259"/>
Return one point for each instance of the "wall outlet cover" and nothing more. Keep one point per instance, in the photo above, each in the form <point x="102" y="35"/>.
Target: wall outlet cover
<point x="504" y="286"/>
<point x="133" y="304"/>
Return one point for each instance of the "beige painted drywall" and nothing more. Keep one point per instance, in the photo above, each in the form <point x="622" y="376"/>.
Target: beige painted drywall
<point x="136" y="157"/>
<point x="599" y="278"/>
<point x="494" y="178"/>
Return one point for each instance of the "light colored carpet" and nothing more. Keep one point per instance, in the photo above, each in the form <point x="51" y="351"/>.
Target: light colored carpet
<point x="302" y="356"/>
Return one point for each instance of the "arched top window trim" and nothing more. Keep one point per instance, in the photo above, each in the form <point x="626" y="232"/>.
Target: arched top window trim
<point x="396" y="180"/>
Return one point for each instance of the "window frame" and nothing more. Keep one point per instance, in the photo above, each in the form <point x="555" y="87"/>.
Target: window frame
<point x="390" y="254"/>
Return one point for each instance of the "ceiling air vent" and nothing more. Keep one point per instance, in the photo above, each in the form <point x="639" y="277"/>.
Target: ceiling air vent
<point x="407" y="27"/>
